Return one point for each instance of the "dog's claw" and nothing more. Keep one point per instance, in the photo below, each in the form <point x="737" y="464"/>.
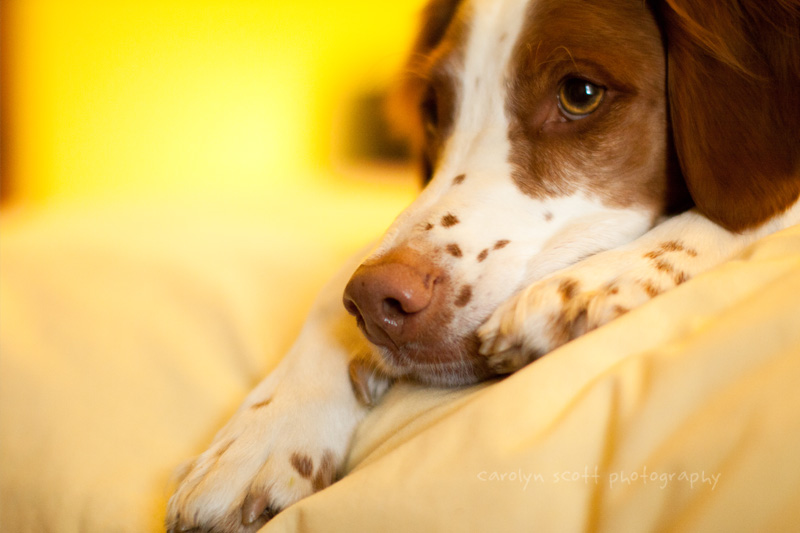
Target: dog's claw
<point x="254" y="507"/>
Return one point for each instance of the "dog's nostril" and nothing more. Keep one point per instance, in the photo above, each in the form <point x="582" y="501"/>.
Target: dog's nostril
<point x="393" y="308"/>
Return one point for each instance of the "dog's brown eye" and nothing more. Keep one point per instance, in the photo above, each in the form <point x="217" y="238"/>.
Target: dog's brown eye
<point x="578" y="98"/>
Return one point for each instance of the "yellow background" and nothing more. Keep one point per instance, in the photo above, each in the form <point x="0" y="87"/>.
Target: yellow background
<point x="111" y="98"/>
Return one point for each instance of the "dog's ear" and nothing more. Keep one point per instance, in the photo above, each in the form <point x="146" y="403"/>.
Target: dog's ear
<point x="733" y="82"/>
<point x="436" y="18"/>
<point x="409" y="91"/>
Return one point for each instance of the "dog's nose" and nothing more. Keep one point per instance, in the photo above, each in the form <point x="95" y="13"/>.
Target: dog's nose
<point x="391" y="297"/>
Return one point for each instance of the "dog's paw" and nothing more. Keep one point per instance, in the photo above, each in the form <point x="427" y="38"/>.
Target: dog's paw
<point x="269" y="456"/>
<point x="576" y="300"/>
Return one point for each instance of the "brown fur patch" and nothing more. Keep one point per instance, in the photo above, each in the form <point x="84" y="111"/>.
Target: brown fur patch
<point x="501" y="244"/>
<point x="679" y="277"/>
<point x="548" y="216"/>
<point x="620" y="310"/>
<point x="459" y="179"/>
<point x="672" y="246"/>
<point x="259" y="405"/>
<point x="483" y="255"/>
<point x="616" y="45"/>
<point x="326" y="472"/>
<point x="665" y="267"/>
<point x="650" y="289"/>
<point x="464" y="296"/>
<point x="454" y="250"/>
<point x="428" y="226"/>
<point x="449" y="220"/>
<point x="568" y="289"/>
<point x="303" y="464"/>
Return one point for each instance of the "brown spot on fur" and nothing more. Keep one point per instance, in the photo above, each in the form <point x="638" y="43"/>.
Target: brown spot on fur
<point x="675" y="246"/>
<point x="325" y="473"/>
<point x="620" y="310"/>
<point x="650" y="289"/>
<point x="665" y="267"/>
<point x="548" y="216"/>
<point x="454" y="250"/>
<point x="483" y="255"/>
<point x="259" y="405"/>
<point x="672" y="246"/>
<point x="501" y="244"/>
<point x="460" y="178"/>
<point x="464" y="296"/>
<point x="303" y="464"/>
<point x="449" y="220"/>
<point x="568" y="288"/>
<point x="428" y="226"/>
<point x="679" y="277"/>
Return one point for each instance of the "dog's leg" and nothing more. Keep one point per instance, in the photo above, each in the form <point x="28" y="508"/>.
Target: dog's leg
<point x="582" y="297"/>
<point x="291" y="434"/>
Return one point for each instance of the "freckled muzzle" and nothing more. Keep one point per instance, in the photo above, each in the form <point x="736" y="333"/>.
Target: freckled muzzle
<point x="403" y="302"/>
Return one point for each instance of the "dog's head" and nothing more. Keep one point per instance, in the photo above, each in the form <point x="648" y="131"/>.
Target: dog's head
<point x="544" y="131"/>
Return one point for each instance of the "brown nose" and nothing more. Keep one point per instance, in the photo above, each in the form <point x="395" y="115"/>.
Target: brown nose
<point x="391" y="297"/>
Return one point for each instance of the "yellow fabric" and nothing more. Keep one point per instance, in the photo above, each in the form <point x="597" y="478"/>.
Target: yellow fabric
<point x="128" y="334"/>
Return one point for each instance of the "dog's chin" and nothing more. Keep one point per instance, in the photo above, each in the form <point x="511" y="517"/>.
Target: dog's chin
<point x="452" y="364"/>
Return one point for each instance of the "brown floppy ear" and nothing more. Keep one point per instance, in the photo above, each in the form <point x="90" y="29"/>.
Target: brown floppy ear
<point x="404" y="100"/>
<point x="733" y="83"/>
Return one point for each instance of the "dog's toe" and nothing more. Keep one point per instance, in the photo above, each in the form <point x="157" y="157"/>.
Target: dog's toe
<point x="556" y="310"/>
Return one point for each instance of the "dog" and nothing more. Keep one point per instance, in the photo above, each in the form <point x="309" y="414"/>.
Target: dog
<point x="579" y="158"/>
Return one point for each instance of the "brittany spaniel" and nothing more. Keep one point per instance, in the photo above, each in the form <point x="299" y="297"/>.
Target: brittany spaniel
<point x="579" y="157"/>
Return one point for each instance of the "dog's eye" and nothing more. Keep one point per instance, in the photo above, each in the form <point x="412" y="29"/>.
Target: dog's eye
<point x="429" y="110"/>
<point x="579" y="98"/>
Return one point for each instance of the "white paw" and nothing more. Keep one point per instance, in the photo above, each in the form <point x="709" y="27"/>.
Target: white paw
<point x="578" y="299"/>
<point x="271" y="454"/>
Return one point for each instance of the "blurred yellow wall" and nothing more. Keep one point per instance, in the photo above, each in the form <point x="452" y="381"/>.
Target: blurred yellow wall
<point x="105" y="97"/>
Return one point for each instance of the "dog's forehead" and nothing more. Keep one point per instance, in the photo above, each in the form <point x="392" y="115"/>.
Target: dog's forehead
<point x="494" y="29"/>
